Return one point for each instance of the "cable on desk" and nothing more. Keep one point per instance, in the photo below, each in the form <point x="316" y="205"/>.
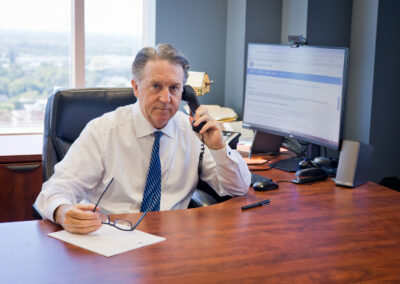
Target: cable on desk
<point x="289" y="181"/>
<point x="255" y="164"/>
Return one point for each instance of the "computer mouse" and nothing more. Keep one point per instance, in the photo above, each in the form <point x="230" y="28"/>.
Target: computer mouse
<point x="264" y="185"/>
<point x="306" y="163"/>
<point x="322" y="161"/>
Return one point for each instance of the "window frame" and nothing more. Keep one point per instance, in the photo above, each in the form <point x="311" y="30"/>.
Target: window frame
<point x="78" y="37"/>
<point x="77" y="66"/>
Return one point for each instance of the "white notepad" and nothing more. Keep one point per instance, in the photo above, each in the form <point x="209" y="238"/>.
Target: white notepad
<point x="108" y="241"/>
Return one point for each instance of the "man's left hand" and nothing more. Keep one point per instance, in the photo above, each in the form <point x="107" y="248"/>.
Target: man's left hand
<point x="211" y="131"/>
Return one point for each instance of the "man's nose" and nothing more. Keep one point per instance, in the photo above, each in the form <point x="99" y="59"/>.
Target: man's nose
<point x="165" y="96"/>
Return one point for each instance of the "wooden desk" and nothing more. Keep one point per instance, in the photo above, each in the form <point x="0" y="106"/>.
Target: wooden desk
<point x="318" y="233"/>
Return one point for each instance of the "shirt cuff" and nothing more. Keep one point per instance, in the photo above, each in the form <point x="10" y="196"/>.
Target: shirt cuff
<point x="223" y="156"/>
<point x="49" y="212"/>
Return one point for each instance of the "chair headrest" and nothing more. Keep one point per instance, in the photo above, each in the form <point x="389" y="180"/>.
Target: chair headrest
<point x="72" y="109"/>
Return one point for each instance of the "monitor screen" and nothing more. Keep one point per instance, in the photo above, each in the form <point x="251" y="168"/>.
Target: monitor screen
<point x="296" y="92"/>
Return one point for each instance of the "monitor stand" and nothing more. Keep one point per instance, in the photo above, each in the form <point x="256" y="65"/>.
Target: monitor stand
<point x="292" y="164"/>
<point x="287" y="165"/>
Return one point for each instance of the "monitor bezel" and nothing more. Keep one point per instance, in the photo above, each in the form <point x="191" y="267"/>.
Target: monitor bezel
<point x="295" y="135"/>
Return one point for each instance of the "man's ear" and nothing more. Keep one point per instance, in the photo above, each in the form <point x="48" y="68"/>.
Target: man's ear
<point x="135" y="87"/>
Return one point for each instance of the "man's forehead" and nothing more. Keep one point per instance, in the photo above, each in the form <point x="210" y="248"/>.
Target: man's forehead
<point x="173" y="81"/>
<point x="161" y="70"/>
<point x="162" y="63"/>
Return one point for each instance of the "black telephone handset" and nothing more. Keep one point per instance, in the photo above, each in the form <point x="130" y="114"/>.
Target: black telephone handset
<point x="189" y="95"/>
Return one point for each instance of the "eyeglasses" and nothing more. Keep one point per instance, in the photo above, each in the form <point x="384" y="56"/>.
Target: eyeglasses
<point x="118" y="223"/>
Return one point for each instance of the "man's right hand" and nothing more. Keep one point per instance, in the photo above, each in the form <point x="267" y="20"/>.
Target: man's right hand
<point x="78" y="218"/>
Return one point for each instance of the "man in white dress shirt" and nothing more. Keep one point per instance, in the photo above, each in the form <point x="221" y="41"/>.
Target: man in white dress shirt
<point x="119" y="145"/>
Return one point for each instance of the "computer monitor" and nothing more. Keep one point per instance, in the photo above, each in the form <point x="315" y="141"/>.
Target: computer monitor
<point x="296" y="92"/>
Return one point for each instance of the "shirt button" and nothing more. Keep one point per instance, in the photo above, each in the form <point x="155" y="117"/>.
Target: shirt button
<point x="229" y="152"/>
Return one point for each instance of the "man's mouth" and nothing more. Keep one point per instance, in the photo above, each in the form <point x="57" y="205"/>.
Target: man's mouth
<point x="163" y="111"/>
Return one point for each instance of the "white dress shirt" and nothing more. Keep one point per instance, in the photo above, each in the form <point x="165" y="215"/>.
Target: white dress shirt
<point x="119" y="144"/>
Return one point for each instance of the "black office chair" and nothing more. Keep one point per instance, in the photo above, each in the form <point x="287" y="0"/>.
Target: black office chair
<point x="67" y="113"/>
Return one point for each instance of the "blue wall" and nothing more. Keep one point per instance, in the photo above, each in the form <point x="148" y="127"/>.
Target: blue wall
<point x="329" y="22"/>
<point x="204" y="31"/>
<point x="385" y="114"/>
<point x="198" y="29"/>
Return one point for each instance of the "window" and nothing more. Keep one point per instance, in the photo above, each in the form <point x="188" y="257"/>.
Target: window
<point x="113" y="36"/>
<point x="34" y="59"/>
<point x="36" y="52"/>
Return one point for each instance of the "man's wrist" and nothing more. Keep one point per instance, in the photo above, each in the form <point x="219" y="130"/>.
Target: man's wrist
<point x="59" y="212"/>
<point x="218" y="147"/>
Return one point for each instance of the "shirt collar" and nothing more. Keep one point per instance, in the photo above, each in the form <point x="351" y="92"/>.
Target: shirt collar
<point x="144" y="128"/>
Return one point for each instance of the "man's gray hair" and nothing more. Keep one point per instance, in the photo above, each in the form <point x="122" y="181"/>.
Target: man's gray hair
<point x="162" y="51"/>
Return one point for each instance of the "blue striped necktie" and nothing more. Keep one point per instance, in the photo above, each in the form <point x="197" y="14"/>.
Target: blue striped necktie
<point x="152" y="190"/>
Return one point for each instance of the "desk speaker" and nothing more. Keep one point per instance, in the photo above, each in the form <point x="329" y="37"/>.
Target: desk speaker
<point x="354" y="163"/>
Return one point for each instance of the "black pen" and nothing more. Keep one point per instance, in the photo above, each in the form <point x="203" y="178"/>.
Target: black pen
<point x="261" y="203"/>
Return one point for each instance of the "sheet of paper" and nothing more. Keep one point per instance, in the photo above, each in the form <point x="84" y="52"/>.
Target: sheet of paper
<point x="108" y="241"/>
<point x="216" y="111"/>
<point x="255" y="161"/>
<point x="247" y="134"/>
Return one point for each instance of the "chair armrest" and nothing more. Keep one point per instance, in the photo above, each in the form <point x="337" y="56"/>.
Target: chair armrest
<point x="35" y="213"/>
<point x="205" y="195"/>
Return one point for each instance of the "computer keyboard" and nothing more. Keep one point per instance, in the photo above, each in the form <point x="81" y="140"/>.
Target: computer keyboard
<point x="255" y="177"/>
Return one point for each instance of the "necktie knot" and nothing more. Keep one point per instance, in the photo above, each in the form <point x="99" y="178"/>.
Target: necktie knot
<point x="157" y="135"/>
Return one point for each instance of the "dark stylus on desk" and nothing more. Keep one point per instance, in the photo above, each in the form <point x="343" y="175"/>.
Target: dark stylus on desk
<point x="262" y="202"/>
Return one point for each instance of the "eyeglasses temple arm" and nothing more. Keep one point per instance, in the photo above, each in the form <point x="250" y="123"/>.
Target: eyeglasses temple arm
<point x="101" y="196"/>
<point x="144" y="214"/>
<point x="138" y="222"/>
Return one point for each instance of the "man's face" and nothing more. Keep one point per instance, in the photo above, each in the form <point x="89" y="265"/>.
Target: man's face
<point x="160" y="91"/>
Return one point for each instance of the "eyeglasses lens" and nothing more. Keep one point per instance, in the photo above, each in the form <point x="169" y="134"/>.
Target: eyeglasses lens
<point x="122" y="224"/>
<point x="104" y="218"/>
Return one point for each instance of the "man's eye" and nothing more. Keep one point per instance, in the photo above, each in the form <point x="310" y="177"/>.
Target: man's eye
<point x="174" y="88"/>
<point x="156" y="86"/>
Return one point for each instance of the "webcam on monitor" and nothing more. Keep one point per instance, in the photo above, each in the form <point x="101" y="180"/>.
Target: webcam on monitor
<point x="297" y="40"/>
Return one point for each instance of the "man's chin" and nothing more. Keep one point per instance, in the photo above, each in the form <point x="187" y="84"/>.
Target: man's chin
<point x="160" y="123"/>
<point x="160" y="118"/>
